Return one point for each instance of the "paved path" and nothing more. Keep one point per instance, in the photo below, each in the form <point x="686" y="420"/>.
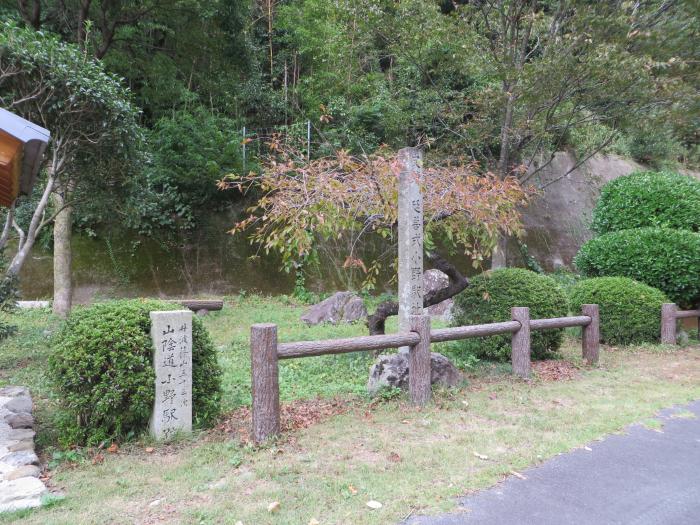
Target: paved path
<point x="643" y="477"/>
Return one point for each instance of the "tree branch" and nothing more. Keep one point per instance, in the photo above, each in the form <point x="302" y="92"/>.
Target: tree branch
<point x="377" y="321"/>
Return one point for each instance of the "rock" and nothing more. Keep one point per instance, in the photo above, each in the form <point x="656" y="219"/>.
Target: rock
<point x="434" y="280"/>
<point x="341" y="306"/>
<point x="392" y="370"/>
<point x="19" y="404"/>
<point x="19" y="434"/>
<point x="20" y="420"/>
<point x="23" y="472"/>
<point x="21" y="445"/>
<point x="202" y="312"/>
<point x="682" y="338"/>
<point x="18" y="459"/>
<point x="33" y="304"/>
<point x="14" y="391"/>
<point x="22" y="493"/>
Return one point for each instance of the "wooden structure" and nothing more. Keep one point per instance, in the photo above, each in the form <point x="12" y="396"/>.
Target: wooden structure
<point x="22" y="146"/>
<point x="200" y="304"/>
<point x="265" y="353"/>
<point x="669" y="317"/>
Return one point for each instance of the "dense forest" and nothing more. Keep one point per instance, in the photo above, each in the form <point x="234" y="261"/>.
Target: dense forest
<point x="192" y="90"/>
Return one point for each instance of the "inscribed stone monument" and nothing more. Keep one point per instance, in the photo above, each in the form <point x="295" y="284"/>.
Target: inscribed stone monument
<point x="410" y="237"/>
<point x="172" y="360"/>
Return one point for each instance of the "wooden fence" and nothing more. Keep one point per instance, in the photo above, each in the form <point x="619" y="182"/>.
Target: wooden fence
<point x="265" y="354"/>
<point x="669" y="317"/>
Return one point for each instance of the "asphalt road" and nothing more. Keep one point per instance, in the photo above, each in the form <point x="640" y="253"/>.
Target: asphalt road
<point x="641" y="477"/>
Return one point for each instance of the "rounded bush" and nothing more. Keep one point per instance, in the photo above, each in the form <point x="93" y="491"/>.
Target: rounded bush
<point x="102" y="368"/>
<point x="630" y="311"/>
<point x="659" y="257"/>
<point x="646" y="199"/>
<point x="489" y="299"/>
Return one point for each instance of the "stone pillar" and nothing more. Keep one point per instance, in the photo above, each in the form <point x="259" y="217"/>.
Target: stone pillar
<point x="410" y="238"/>
<point x="172" y="360"/>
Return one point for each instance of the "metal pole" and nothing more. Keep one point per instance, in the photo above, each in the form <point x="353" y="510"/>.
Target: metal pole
<point x="308" y="140"/>
<point x="244" y="153"/>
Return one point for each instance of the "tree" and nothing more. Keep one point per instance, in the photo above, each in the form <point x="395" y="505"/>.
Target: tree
<point x="305" y="203"/>
<point x="557" y="68"/>
<point x="93" y="125"/>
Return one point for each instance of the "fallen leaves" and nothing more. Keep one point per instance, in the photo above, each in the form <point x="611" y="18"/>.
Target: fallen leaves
<point x="518" y="475"/>
<point x="113" y="448"/>
<point x="352" y="490"/>
<point x="555" y="370"/>
<point x="294" y="416"/>
<point x="394" y="457"/>
<point x="150" y="450"/>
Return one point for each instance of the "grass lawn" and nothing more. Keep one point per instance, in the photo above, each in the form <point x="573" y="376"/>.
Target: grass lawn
<point x="410" y="460"/>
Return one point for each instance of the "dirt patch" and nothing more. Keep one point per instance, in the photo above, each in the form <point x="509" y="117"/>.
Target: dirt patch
<point x="555" y="370"/>
<point x="294" y="416"/>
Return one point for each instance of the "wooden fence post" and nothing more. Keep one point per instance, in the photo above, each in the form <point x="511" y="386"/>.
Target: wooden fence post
<point x="419" y="370"/>
<point x="265" y="381"/>
<point x="590" y="334"/>
<point x="668" y="323"/>
<point x="520" y="344"/>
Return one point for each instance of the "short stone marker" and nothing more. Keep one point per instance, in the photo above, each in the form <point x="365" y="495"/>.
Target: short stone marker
<point x="172" y="360"/>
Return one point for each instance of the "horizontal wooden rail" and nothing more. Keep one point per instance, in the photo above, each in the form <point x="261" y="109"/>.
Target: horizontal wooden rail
<point x="476" y="330"/>
<point x="680" y="314"/>
<point x="559" y="322"/>
<point x="342" y="346"/>
<point x="199" y="304"/>
<point x="266" y="351"/>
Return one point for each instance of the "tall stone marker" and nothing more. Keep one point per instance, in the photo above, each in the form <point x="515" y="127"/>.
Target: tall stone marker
<point x="410" y="238"/>
<point x="172" y="359"/>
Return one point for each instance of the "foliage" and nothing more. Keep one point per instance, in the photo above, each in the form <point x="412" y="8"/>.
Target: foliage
<point x="190" y="150"/>
<point x="663" y="199"/>
<point x="491" y="296"/>
<point x="659" y="257"/>
<point x="93" y="124"/>
<point x="303" y="203"/>
<point x="102" y="369"/>
<point x="630" y="312"/>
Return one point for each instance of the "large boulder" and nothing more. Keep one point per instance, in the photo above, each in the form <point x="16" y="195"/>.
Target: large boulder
<point x="434" y="280"/>
<point x="392" y="370"/>
<point x="341" y="306"/>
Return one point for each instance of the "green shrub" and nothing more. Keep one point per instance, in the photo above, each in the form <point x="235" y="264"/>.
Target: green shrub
<point x="102" y="368"/>
<point x="659" y="257"/>
<point x="630" y="312"/>
<point x="489" y="299"/>
<point x="661" y="199"/>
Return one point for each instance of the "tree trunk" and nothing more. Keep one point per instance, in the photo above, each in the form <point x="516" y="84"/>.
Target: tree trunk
<point x="62" y="257"/>
<point x="498" y="258"/>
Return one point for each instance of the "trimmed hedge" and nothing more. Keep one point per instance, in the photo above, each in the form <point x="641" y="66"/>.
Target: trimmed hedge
<point x="659" y="257"/>
<point x="630" y="312"/>
<point x="648" y="199"/>
<point x="102" y="368"/>
<point x="489" y="299"/>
